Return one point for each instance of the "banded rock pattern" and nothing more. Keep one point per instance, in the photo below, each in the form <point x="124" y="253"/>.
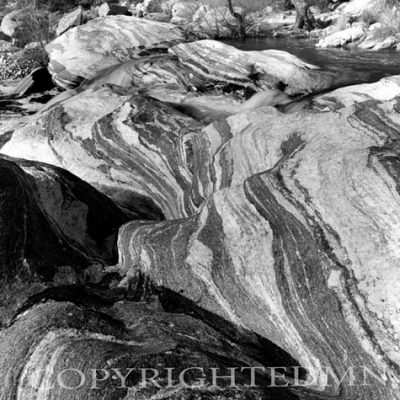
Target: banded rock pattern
<point x="83" y="51"/>
<point x="263" y="239"/>
<point x="298" y="243"/>
<point x="259" y="70"/>
<point x="126" y="145"/>
<point x="46" y="344"/>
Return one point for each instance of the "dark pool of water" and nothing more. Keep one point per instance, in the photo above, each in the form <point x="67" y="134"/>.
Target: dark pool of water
<point x="358" y="65"/>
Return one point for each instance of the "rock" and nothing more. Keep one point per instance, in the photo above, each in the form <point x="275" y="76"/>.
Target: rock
<point x="49" y="218"/>
<point x="12" y="24"/>
<point x="112" y="9"/>
<point x="150" y="6"/>
<point x="39" y="80"/>
<point x="52" y="339"/>
<point x="289" y="232"/>
<point x="183" y="12"/>
<point x="374" y="41"/>
<point x="70" y="20"/>
<point x="262" y="24"/>
<point x="160" y="17"/>
<point x="209" y="108"/>
<point x="375" y="26"/>
<point x="129" y="147"/>
<point x="32" y="45"/>
<point x="103" y="42"/>
<point x="360" y="24"/>
<point x="6" y="46"/>
<point x="342" y="38"/>
<point x="217" y="61"/>
<point x="385" y="90"/>
<point x="388" y="43"/>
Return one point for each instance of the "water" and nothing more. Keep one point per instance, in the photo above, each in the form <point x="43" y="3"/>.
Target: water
<point x="359" y="65"/>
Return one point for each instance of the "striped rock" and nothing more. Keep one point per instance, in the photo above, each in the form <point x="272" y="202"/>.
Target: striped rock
<point x="83" y="51"/>
<point x="57" y="344"/>
<point x="49" y="219"/>
<point x="128" y="146"/>
<point x="254" y="69"/>
<point x="297" y="242"/>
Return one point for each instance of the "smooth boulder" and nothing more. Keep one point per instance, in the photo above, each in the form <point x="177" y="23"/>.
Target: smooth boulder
<point x="83" y="51"/>
<point x="126" y="145"/>
<point x="50" y="220"/>
<point x="297" y="241"/>
<point x="217" y="61"/>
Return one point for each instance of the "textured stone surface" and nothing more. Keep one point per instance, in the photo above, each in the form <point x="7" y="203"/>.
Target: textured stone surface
<point x="50" y="337"/>
<point x="49" y="219"/>
<point x="68" y="21"/>
<point x="267" y="238"/>
<point x="12" y="24"/>
<point x="297" y="241"/>
<point x="341" y="38"/>
<point x="85" y="50"/>
<point x="264" y="69"/>
<point x="87" y="132"/>
<point x="128" y="146"/>
<point x="112" y="9"/>
<point x="183" y="11"/>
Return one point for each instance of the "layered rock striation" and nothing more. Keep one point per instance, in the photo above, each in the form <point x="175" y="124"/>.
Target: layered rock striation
<point x="85" y="50"/>
<point x="267" y="238"/>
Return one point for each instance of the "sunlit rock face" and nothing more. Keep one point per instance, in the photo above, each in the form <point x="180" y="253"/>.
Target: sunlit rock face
<point x="128" y="146"/>
<point x="50" y="219"/>
<point x="261" y="69"/>
<point x="298" y="243"/>
<point x="83" y="51"/>
<point x="134" y="148"/>
<point x="267" y="238"/>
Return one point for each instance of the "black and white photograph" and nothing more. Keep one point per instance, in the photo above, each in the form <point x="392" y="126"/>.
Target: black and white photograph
<point x="199" y="200"/>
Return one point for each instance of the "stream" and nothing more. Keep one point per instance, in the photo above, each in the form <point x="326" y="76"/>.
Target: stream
<point x="360" y="66"/>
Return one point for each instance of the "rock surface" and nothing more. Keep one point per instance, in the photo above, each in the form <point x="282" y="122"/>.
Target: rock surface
<point x="266" y="238"/>
<point x="70" y="20"/>
<point x="49" y="219"/>
<point x="256" y="69"/>
<point x="341" y="38"/>
<point x="127" y="146"/>
<point x="58" y="332"/>
<point x="112" y="9"/>
<point x="12" y="24"/>
<point x="85" y="50"/>
<point x="282" y="249"/>
<point x="108" y="115"/>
